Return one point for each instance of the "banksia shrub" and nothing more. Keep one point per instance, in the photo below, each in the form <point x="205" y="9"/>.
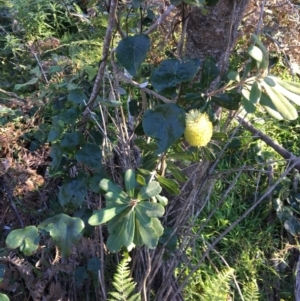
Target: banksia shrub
<point x="199" y="129"/>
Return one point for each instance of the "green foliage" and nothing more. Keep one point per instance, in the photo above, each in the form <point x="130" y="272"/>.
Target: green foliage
<point x="131" y="52"/>
<point x="166" y="123"/>
<point x="64" y="230"/>
<point x="131" y="216"/>
<point x="26" y="239"/>
<point x="3" y="297"/>
<point x="123" y="284"/>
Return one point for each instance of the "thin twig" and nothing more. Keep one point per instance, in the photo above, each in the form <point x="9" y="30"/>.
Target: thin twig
<point x="160" y="19"/>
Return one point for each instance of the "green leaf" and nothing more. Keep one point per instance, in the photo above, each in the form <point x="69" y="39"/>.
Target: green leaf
<point x="267" y="103"/>
<point x="230" y="101"/>
<point x="279" y="86"/>
<point x="73" y="191"/>
<point x="162" y="200"/>
<point x="95" y="180"/>
<point x="256" y="53"/>
<point x="172" y="72"/>
<point x="64" y="230"/>
<point x="90" y="155"/>
<point x="219" y="136"/>
<point x="145" y="236"/>
<point x="108" y="185"/>
<point x="255" y="93"/>
<point x="118" y="232"/>
<point x="210" y="72"/>
<point x="57" y="128"/>
<point x="157" y="227"/>
<point x="132" y="51"/>
<point x="56" y="155"/>
<point x="94" y="265"/>
<point x="113" y="199"/>
<point x="111" y="103"/>
<point x="33" y="81"/>
<point x="151" y="189"/>
<point x="208" y="153"/>
<point x="176" y="172"/>
<point x="27" y="239"/>
<point x="130" y="182"/>
<point x="290" y="86"/>
<point x="234" y="76"/>
<point x="248" y="105"/>
<point x="77" y="97"/>
<point x="292" y="225"/>
<point x="3" y="297"/>
<point x="282" y="105"/>
<point x="141" y="180"/>
<point x="166" y="123"/>
<point x="170" y="185"/>
<point x="150" y="209"/>
<point x="71" y="141"/>
<point x="143" y="219"/>
<point x="102" y="216"/>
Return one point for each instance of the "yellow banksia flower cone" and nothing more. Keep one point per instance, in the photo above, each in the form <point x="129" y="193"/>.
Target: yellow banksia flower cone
<point x="199" y="129"/>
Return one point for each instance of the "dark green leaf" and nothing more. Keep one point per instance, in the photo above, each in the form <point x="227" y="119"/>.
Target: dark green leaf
<point x="172" y="72"/>
<point x="84" y="214"/>
<point x="233" y="75"/>
<point x="94" y="265"/>
<point x="102" y="216"/>
<point x="171" y="242"/>
<point x="27" y="239"/>
<point x="64" y="230"/>
<point x="29" y="83"/>
<point x="57" y="128"/>
<point x="90" y="155"/>
<point x="248" y="105"/>
<point x="166" y="123"/>
<point x="130" y="182"/>
<point x="292" y="225"/>
<point x="132" y="51"/>
<point x="170" y="185"/>
<point x="69" y="116"/>
<point x="176" y="172"/>
<point x="77" y="97"/>
<point x="56" y="155"/>
<point x="144" y="219"/>
<point x="146" y="236"/>
<point x="210" y="72"/>
<point x="151" y="189"/>
<point x="255" y="93"/>
<point x="71" y="141"/>
<point x="219" y="136"/>
<point x="230" y="101"/>
<point x="208" y="154"/>
<point x="73" y="191"/>
<point x="80" y="275"/>
<point x="95" y="180"/>
<point x="150" y="209"/>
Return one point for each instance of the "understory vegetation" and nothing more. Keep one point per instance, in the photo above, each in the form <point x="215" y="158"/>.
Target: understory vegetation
<point x="129" y="171"/>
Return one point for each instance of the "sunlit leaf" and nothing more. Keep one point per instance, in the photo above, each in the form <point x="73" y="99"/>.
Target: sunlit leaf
<point x="64" y="230"/>
<point x="151" y="189"/>
<point x="170" y="185"/>
<point x="130" y="182"/>
<point x="151" y="209"/>
<point x="27" y="239"/>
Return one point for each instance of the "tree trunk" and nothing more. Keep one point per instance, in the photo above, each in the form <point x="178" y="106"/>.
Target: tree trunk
<point x="214" y="34"/>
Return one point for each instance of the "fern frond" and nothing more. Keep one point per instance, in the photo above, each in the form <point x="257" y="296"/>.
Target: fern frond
<point x="250" y="291"/>
<point x="124" y="284"/>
